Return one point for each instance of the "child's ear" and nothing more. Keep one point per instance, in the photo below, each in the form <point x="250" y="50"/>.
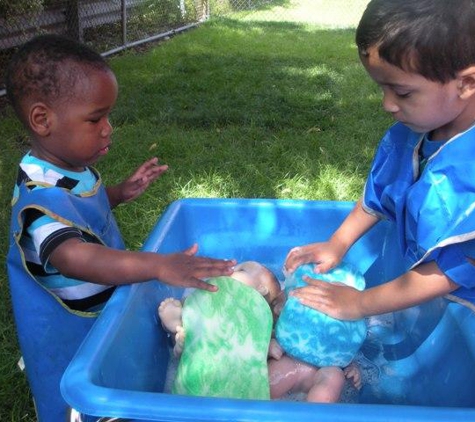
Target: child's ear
<point x="40" y="119"/>
<point x="466" y="82"/>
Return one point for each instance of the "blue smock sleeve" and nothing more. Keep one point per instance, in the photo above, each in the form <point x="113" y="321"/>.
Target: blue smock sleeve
<point x="391" y="174"/>
<point x="453" y="261"/>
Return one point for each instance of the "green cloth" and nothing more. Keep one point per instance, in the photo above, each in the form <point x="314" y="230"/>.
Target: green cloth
<point x="227" y="335"/>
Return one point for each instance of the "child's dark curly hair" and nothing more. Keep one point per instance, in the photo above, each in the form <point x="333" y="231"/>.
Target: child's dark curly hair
<point x="46" y="69"/>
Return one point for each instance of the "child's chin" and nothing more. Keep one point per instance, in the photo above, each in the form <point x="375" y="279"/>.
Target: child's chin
<point x="415" y="128"/>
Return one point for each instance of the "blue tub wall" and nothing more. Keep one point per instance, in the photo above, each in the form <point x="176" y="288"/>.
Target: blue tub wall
<point x="141" y="364"/>
<point x="256" y="230"/>
<point x="425" y="357"/>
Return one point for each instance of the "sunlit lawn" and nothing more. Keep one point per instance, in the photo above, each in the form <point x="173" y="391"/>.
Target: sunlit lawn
<point x="322" y="13"/>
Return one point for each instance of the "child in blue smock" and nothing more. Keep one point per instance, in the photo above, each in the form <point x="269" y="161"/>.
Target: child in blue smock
<point x="63" y="234"/>
<point x="422" y="55"/>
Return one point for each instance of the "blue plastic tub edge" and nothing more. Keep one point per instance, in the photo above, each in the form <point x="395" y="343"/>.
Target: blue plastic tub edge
<point x="158" y="232"/>
<point x="82" y="392"/>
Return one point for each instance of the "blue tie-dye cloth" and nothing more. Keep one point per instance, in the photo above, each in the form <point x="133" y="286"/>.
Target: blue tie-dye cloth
<point x="313" y="337"/>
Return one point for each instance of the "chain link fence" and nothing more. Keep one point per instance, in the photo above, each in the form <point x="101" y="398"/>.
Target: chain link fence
<point x="110" y="26"/>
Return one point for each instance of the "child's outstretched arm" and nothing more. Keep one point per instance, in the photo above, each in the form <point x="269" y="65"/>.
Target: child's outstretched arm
<point x="328" y="254"/>
<point x="418" y="285"/>
<point x="102" y="265"/>
<point x="135" y="185"/>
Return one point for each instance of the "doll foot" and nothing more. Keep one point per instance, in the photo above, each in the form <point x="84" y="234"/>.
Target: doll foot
<point x="170" y="312"/>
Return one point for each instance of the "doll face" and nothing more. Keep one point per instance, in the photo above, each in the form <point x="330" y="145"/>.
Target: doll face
<point x="258" y="277"/>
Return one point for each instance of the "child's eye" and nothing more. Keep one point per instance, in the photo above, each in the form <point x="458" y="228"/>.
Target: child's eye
<point x="96" y="119"/>
<point x="403" y="94"/>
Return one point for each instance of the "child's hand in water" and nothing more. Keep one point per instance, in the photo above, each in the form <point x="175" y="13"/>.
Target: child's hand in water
<point x="333" y="299"/>
<point x="326" y="255"/>
<point x="186" y="269"/>
<point x="353" y="374"/>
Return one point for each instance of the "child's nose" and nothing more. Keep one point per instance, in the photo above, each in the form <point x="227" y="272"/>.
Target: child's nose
<point x="389" y="105"/>
<point x="107" y="129"/>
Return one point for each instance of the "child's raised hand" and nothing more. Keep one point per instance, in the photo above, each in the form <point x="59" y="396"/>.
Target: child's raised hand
<point x="187" y="270"/>
<point x="136" y="184"/>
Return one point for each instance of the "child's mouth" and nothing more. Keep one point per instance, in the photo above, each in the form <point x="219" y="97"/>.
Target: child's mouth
<point x="104" y="151"/>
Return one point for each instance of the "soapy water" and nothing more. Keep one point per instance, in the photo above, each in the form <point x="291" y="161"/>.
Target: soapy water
<point x="369" y="359"/>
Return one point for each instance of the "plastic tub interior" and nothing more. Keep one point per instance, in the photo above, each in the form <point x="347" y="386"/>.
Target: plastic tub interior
<point x="418" y="364"/>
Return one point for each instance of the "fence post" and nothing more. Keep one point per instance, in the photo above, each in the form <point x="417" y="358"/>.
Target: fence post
<point x="124" y="22"/>
<point x="73" y="20"/>
<point x="182" y="8"/>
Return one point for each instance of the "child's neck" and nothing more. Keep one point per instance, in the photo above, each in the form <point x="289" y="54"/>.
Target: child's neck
<point x="54" y="161"/>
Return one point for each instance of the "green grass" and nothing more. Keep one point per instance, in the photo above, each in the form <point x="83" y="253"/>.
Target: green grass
<point x="319" y="13"/>
<point x="242" y="108"/>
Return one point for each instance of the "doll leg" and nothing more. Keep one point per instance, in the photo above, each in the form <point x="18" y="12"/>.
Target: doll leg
<point x="289" y="375"/>
<point x="170" y="312"/>
<point x="327" y="385"/>
<point x="179" y="341"/>
<point x="322" y="385"/>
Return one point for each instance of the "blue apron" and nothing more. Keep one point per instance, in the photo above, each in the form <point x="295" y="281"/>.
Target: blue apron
<point x="432" y="210"/>
<point x="50" y="333"/>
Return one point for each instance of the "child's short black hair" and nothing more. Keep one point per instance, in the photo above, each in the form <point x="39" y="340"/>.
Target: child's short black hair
<point x="37" y="70"/>
<point x="434" y="38"/>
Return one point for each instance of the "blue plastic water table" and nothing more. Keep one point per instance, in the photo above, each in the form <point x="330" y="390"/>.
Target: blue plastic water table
<point x="419" y="364"/>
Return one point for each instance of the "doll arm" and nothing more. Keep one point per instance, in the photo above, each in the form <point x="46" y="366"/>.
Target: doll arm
<point x="275" y="350"/>
<point x="353" y="374"/>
